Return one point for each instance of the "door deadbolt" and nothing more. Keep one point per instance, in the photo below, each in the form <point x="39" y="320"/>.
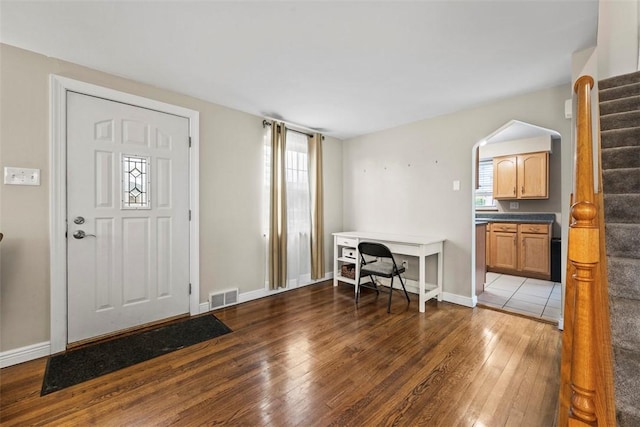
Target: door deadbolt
<point x="78" y="220"/>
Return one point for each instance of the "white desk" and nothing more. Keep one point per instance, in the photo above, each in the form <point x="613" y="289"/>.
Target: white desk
<point x="420" y="246"/>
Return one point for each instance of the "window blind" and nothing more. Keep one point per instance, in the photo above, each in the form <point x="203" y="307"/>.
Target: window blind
<point x="484" y="193"/>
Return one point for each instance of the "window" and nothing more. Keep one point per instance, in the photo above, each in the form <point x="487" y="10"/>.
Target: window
<point x="298" y="205"/>
<point x="484" y="193"/>
<point x="298" y="197"/>
<point x="135" y="182"/>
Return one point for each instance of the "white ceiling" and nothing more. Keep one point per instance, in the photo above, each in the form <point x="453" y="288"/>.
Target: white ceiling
<point x="343" y="68"/>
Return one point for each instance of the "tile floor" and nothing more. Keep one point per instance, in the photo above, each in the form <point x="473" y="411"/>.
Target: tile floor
<point x="531" y="297"/>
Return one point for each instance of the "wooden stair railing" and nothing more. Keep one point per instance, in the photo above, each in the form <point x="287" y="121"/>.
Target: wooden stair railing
<point x="586" y="386"/>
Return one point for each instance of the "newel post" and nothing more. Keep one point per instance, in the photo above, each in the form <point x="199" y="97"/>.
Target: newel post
<point x="584" y="257"/>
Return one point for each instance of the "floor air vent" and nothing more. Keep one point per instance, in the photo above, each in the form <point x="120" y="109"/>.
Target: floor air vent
<point x="222" y="299"/>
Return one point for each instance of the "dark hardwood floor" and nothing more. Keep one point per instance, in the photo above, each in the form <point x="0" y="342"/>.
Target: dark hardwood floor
<point x="310" y="357"/>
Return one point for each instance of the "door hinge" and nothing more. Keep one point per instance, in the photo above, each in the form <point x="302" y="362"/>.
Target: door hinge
<point x="189" y="142"/>
<point x="189" y="214"/>
<point x="189" y="288"/>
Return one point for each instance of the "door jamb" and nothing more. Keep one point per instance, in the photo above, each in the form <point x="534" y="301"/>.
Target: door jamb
<point x="58" y="189"/>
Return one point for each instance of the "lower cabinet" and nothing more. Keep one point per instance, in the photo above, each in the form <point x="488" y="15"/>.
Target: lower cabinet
<point x="535" y="257"/>
<point x="520" y="249"/>
<point x="504" y="246"/>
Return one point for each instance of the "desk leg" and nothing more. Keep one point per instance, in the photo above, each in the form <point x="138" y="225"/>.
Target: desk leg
<point x="335" y="261"/>
<point x="440" y="271"/>
<point x="357" y="276"/>
<point x="421" y="282"/>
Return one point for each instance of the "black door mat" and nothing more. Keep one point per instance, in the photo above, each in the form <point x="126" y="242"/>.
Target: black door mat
<point x="76" y="366"/>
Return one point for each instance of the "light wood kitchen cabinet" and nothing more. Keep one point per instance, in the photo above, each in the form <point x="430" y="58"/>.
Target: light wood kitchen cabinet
<point x="534" y="250"/>
<point x="504" y="246"/>
<point x="505" y="171"/>
<point x="523" y="176"/>
<point x="520" y="249"/>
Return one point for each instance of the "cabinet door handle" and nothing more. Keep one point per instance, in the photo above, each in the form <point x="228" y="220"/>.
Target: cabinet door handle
<point x="514" y="191"/>
<point x="522" y="188"/>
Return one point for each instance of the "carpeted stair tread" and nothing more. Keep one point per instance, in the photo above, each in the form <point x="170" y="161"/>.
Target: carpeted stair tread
<point x="624" y="120"/>
<point x="620" y="105"/>
<point x="620" y="137"/>
<point x="621" y="80"/>
<point x="625" y="323"/>
<point x="621" y="157"/>
<point x="622" y="208"/>
<point x="621" y="181"/>
<point x="627" y="418"/>
<point x="618" y="92"/>
<point x="623" y="240"/>
<point x="623" y="277"/>
<point x="627" y="384"/>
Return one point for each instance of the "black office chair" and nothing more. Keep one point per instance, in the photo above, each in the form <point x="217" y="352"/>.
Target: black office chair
<point x="384" y="266"/>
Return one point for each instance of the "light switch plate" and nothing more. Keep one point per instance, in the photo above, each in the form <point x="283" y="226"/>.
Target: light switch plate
<point x="456" y="185"/>
<point x="21" y="176"/>
<point x="514" y="205"/>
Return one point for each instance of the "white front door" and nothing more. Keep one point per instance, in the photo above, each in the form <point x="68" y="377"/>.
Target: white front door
<point x="128" y="192"/>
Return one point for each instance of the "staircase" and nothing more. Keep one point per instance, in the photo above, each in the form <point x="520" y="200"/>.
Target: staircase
<point x="620" y="141"/>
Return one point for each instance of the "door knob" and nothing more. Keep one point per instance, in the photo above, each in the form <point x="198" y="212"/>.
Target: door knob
<point x="80" y="234"/>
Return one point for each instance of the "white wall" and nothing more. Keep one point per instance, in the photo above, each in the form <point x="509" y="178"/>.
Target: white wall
<point x="232" y="248"/>
<point x="617" y="37"/>
<point x="400" y="180"/>
<point x="516" y="146"/>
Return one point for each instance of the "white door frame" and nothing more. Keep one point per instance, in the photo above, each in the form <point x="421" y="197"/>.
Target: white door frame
<point x="58" y="192"/>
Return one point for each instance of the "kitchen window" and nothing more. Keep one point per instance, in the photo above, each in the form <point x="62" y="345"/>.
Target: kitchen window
<point x="484" y="192"/>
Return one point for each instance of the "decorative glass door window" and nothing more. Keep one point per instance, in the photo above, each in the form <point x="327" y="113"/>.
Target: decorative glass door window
<point x="135" y="182"/>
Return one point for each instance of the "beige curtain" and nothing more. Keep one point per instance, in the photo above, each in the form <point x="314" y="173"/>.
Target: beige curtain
<point x="317" y="207"/>
<point x="278" y="209"/>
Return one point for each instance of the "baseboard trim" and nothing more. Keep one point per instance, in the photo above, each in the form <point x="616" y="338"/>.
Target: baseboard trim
<point x="24" y="354"/>
<point x="204" y="307"/>
<point x="412" y="287"/>
<point x="458" y="299"/>
<point x="264" y="292"/>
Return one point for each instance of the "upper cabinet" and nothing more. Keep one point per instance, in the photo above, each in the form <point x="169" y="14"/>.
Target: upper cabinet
<point x="505" y="170"/>
<point x="522" y="176"/>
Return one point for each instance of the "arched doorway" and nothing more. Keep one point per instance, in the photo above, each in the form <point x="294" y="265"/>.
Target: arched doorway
<point x="501" y="287"/>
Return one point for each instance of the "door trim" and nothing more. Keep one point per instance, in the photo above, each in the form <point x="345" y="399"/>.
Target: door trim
<point x="58" y="190"/>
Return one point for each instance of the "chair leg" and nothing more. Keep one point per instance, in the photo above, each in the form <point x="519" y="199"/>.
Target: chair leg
<point x="375" y="285"/>
<point x="405" y="289"/>
<point x="358" y="290"/>
<point x="390" y="293"/>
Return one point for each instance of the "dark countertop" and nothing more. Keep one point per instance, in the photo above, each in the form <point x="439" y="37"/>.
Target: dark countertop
<point x="533" y="218"/>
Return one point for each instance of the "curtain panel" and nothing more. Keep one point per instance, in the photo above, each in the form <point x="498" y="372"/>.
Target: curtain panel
<point x="278" y="209"/>
<point x="317" y="206"/>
